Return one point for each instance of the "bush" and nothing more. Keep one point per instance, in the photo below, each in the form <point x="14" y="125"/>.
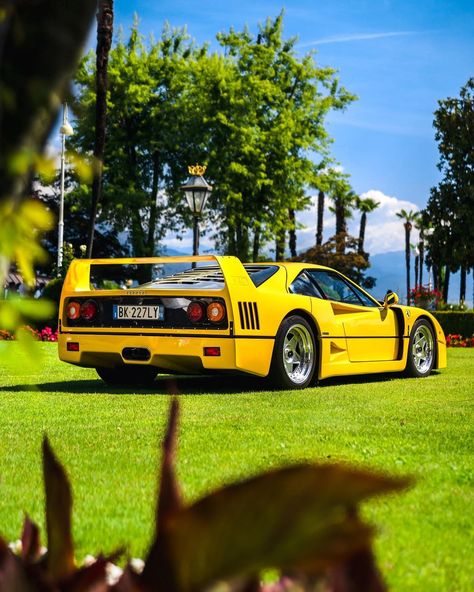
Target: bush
<point x="455" y="322"/>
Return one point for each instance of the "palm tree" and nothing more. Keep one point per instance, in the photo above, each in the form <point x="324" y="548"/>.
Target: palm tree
<point x="409" y="219"/>
<point x="105" y="20"/>
<point x="344" y="199"/>
<point x="365" y="206"/>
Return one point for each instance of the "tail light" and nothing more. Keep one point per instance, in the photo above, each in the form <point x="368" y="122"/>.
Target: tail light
<point x="73" y="310"/>
<point x="216" y="312"/>
<point x="89" y="310"/>
<point x="195" y="311"/>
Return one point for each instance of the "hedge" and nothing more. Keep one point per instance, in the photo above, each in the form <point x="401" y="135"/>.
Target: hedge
<point x="455" y="322"/>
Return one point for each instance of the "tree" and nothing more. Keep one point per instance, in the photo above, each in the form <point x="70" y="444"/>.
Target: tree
<point x="151" y="133"/>
<point x="341" y="253"/>
<point x="105" y="19"/>
<point x="365" y="206"/>
<point x="254" y="114"/>
<point x="269" y="116"/>
<point x="451" y="202"/>
<point x="409" y="219"/>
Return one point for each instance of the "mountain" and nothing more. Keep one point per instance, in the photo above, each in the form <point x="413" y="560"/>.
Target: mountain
<point x="390" y="272"/>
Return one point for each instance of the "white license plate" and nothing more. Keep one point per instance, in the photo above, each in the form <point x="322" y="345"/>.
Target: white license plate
<point x="131" y="312"/>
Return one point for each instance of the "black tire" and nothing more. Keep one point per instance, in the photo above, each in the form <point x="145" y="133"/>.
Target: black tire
<point x="421" y="350"/>
<point x="294" y="355"/>
<point x="130" y="375"/>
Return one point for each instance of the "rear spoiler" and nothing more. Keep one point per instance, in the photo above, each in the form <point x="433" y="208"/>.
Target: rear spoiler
<point x="235" y="275"/>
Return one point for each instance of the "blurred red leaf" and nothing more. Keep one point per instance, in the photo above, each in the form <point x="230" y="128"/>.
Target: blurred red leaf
<point x="13" y="575"/>
<point x="60" y="557"/>
<point x="157" y="566"/>
<point x="30" y="541"/>
<point x="292" y="517"/>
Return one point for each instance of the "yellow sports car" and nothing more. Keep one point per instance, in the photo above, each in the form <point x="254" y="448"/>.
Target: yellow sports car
<point x="294" y="322"/>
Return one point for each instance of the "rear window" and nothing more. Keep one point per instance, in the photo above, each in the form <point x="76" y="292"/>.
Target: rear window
<point x="170" y="275"/>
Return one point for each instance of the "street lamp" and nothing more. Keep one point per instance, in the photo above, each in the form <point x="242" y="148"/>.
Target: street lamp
<point x="197" y="190"/>
<point x="64" y="130"/>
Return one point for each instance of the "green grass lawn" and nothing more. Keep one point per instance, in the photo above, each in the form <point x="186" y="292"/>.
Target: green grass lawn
<point x="230" y="428"/>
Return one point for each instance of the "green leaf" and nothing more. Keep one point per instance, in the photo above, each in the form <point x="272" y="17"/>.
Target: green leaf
<point x="60" y="559"/>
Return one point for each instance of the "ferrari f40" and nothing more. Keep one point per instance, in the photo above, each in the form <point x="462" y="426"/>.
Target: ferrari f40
<point x="293" y="322"/>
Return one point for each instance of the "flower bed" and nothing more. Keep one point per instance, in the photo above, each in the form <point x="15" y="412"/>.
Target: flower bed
<point x="456" y="340"/>
<point x="45" y="334"/>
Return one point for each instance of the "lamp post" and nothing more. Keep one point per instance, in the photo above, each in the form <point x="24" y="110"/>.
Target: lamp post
<point x="64" y="130"/>
<point x="197" y="190"/>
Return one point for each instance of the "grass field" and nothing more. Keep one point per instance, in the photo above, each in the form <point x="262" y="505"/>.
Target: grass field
<point x="230" y="428"/>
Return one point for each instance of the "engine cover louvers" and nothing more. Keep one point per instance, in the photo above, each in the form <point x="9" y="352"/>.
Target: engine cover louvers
<point x="248" y="313"/>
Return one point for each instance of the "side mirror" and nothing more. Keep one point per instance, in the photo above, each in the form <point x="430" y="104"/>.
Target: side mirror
<point x="390" y="299"/>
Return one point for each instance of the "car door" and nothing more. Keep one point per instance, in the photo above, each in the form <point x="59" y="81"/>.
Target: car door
<point x="371" y="331"/>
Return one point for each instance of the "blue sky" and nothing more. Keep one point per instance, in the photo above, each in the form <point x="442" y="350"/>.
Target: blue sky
<point x="398" y="57"/>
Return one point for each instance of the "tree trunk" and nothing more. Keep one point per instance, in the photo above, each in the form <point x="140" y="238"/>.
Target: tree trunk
<point x="363" y="224"/>
<point x="407" y="258"/>
<point x="340" y="217"/>
<point x="436" y="278"/>
<point x="417" y="263"/>
<point x="320" y="220"/>
<point x="421" y="248"/>
<point x="242" y="246"/>
<point x="150" y="243"/>
<point x="256" y="244"/>
<point x="105" y="20"/>
<point x="447" y="274"/>
<point x="462" y="288"/>
<point x="292" y="232"/>
<point x="280" y="245"/>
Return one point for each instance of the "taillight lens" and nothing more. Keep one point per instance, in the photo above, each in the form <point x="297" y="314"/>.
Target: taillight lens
<point x="195" y="311"/>
<point x="73" y="310"/>
<point x="216" y="312"/>
<point x="89" y="310"/>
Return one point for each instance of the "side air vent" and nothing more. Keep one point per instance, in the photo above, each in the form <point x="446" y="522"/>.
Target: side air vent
<point x="248" y="312"/>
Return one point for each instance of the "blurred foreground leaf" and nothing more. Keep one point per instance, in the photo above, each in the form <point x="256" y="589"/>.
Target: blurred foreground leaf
<point x="40" y="45"/>
<point x="58" y="516"/>
<point x="293" y="518"/>
<point x="20" y="226"/>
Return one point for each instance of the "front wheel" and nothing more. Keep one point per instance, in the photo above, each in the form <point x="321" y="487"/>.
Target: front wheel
<point x="421" y="350"/>
<point x="128" y="375"/>
<point x="294" y="355"/>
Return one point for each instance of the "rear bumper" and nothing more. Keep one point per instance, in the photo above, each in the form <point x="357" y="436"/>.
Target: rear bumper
<point x="170" y="353"/>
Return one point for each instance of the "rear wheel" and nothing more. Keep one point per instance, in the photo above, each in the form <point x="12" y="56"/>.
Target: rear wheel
<point x="294" y="354"/>
<point x="130" y="375"/>
<point x="421" y="350"/>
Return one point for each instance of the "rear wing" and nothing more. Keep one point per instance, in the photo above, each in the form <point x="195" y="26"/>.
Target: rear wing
<point x="235" y="276"/>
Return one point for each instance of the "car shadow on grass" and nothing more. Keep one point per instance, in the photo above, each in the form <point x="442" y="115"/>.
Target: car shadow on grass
<point x="189" y="385"/>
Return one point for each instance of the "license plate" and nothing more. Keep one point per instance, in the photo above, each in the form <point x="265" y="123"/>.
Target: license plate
<point x="132" y="312"/>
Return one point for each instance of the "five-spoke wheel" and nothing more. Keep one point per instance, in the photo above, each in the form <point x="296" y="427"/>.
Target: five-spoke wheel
<point x="421" y="351"/>
<point x="294" y="355"/>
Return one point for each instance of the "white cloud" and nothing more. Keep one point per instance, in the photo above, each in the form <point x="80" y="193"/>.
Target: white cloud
<point x="384" y="232"/>
<point x="356" y="37"/>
